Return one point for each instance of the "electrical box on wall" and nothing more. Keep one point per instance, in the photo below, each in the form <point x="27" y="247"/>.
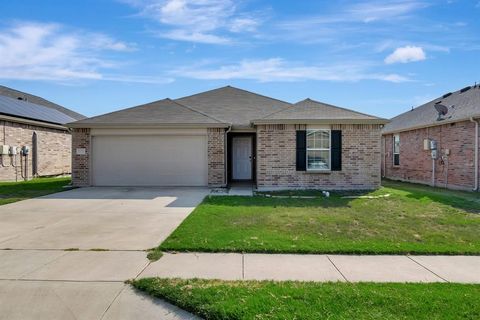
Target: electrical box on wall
<point x="433" y="145"/>
<point x="426" y="144"/>
<point x="13" y="150"/>
<point x="446" y="152"/>
<point x="4" y="149"/>
<point x="434" y="154"/>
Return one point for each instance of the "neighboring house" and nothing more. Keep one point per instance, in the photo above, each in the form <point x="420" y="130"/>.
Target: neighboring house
<point x="436" y="143"/>
<point x="32" y="122"/>
<point x="226" y="135"/>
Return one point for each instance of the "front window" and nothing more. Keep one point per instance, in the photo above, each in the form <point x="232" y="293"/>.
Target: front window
<point x="396" y="149"/>
<point x="318" y="149"/>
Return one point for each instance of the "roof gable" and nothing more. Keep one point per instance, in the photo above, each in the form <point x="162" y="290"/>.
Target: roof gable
<point x="233" y="105"/>
<point x="461" y="106"/>
<point x="164" y="112"/>
<point x="309" y="110"/>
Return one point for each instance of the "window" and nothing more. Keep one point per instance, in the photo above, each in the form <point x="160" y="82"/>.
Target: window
<point x="396" y="149"/>
<point x="318" y="149"/>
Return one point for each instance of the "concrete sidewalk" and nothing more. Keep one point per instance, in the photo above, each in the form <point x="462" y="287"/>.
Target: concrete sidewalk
<point x="57" y="284"/>
<point x="384" y="268"/>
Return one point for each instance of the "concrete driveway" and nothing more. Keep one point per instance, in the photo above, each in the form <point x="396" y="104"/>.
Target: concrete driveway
<point x="41" y="279"/>
<point x="105" y="218"/>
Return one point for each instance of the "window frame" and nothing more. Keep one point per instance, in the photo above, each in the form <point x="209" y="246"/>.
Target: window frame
<point x="329" y="149"/>
<point x="397" y="152"/>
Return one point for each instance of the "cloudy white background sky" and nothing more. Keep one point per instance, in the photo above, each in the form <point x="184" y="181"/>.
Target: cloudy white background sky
<point x="379" y="57"/>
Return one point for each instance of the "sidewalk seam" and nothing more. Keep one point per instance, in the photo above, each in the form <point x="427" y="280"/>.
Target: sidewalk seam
<point x="243" y="266"/>
<point x="42" y="266"/>
<point x="343" y="276"/>
<point x="111" y="303"/>
<point x="421" y="265"/>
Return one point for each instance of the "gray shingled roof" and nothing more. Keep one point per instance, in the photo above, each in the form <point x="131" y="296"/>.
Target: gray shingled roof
<point x="461" y="106"/>
<point x="32" y="111"/>
<point x="310" y="111"/>
<point x="233" y="105"/>
<point x="159" y="113"/>
<point x="15" y="94"/>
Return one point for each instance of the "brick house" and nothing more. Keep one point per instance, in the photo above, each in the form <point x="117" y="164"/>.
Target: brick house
<point x="436" y="143"/>
<point x="229" y="135"/>
<point x="33" y="122"/>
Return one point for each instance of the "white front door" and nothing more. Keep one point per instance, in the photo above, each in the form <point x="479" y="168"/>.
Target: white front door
<point x="242" y="158"/>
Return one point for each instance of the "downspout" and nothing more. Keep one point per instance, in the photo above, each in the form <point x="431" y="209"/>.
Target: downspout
<point x="225" y="151"/>
<point x="475" y="188"/>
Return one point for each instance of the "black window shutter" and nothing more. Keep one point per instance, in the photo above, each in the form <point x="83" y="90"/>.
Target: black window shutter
<point x="336" y="150"/>
<point x="301" y="150"/>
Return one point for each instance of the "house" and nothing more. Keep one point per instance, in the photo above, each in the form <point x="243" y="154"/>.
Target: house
<point x="226" y="135"/>
<point x="34" y="139"/>
<point x="436" y="143"/>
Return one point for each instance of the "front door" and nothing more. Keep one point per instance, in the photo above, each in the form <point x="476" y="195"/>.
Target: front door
<point x="242" y="158"/>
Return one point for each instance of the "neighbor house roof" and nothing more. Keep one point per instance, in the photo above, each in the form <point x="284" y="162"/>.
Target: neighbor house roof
<point x="232" y="105"/>
<point x="310" y="111"/>
<point x="461" y="105"/>
<point x="19" y="95"/>
<point x="12" y="109"/>
<point x="164" y="113"/>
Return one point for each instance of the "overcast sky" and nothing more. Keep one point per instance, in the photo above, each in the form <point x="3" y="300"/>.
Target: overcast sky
<point x="378" y="57"/>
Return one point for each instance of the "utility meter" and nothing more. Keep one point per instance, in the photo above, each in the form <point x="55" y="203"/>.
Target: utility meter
<point x="25" y="150"/>
<point x="433" y="145"/>
<point x="434" y="154"/>
<point x="13" y="150"/>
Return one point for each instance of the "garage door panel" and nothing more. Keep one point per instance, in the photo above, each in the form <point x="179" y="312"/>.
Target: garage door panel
<point x="157" y="160"/>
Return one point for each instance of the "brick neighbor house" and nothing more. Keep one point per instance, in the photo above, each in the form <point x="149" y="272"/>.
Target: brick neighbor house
<point x="32" y="122"/>
<point x="436" y="143"/>
<point x="226" y="135"/>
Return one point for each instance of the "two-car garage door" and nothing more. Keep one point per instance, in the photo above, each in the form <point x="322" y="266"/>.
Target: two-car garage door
<point x="149" y="160"/>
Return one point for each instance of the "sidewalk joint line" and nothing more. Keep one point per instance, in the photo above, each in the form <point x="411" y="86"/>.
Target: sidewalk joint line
<point x="243" y="266"/>
<point x="421" y="265"/>
<point x="143" y="269"/>
<point x="343" y="276"/>
<point x="111" y="303"/>
<point x="42" y="266"/>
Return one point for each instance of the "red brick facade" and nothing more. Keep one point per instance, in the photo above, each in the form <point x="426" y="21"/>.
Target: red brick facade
<point x="455" y="171"/>
<point x="53" y="153"/>
<point x="276" y="156"/>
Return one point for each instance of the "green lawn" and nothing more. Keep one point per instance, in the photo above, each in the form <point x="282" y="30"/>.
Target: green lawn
<point x="17" y="191"/>
<point x="213" y="299"/>
<point x="413" y="219"/>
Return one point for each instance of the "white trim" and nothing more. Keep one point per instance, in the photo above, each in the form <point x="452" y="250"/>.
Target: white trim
<point x="329" y="149"/>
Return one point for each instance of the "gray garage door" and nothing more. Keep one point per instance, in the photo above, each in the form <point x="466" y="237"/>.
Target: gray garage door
<point x="156" y="160"/>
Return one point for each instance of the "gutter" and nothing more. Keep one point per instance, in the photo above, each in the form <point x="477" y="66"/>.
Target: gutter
<point x="476" y="188"/>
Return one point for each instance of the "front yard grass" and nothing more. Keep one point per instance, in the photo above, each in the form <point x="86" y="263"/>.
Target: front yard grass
<point x="17" y="191"/>
<point x="213" y="299"/>
<point x="412" y="219"/>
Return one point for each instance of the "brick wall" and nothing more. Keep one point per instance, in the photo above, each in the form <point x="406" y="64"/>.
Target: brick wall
<point x="54" y="145"/>
<point x="81" y="163"/>
<point x="216" y="157"/>
<point x="455" y="172"/>
<point x="361" y="158"/>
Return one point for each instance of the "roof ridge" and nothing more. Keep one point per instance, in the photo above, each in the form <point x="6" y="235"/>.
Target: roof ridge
<point x="229" y="86"/>
<point x="337" y="107"/>
<point x="198" y="111"/>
